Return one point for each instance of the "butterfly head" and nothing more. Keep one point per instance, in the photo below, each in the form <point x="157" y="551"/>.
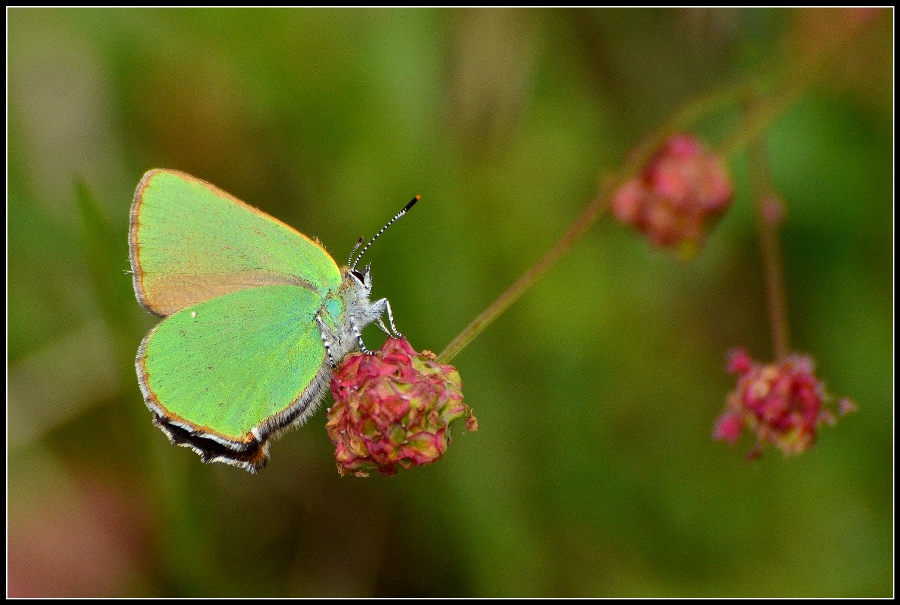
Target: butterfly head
<point x="356" y="281"/>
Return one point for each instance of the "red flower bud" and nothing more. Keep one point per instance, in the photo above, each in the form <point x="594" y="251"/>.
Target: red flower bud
<point x="677" y="194"/>
<point x="393" y="408"/>
<point x="782" y="403"/>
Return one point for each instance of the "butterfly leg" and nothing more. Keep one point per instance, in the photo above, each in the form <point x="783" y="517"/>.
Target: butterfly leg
<point x="358" y="335"/>
<point x="327" y="335"/>
<point x="383" y="306"/>
<point x="393" y="332"/>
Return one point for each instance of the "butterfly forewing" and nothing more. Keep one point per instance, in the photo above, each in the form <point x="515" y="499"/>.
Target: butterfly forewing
<point x="191" y="242"/>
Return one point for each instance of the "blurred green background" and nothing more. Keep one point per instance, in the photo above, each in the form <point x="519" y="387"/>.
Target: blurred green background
<point x="593" y="472"/>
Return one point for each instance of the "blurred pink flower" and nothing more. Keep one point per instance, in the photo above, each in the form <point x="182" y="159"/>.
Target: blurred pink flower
<point x="676" y="196"/>
<point x="781" y="403"/>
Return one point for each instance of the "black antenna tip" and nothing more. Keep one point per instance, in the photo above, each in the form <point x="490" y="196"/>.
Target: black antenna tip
<point x="355" y="259"/>
<point x="412" y="203"/>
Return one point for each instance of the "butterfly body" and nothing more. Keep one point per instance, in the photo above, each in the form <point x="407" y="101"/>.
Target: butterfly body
<point x="256" y="315"/>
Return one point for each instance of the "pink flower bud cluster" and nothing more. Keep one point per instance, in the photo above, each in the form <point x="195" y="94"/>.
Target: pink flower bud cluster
<point x="393" y="408"/>
<point x="781" y="403"/>
<point x="675" y="197"/>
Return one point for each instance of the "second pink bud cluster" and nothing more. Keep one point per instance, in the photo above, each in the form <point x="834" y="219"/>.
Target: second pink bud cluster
<point x="676" y="195"/>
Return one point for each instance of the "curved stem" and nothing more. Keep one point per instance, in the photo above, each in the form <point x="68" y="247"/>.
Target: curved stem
<point x="581" y="225"/>
<point x="758" y="119"/>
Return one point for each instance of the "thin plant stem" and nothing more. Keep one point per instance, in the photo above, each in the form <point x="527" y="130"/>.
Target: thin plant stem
<point x="581" y="225"/>
<point x="754" y="124"/>
<point x="767" y="221"/>
<point x="766" y="108"/>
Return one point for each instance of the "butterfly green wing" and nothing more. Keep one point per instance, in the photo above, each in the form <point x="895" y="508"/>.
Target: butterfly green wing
<point x="224" y="375"/>
<point x="191" y="242"/>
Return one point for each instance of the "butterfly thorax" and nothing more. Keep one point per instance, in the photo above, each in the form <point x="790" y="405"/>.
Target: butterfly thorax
<point x="349" y="310"/>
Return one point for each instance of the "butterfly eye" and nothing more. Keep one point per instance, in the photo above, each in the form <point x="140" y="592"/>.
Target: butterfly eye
<point x="358" y="275"/>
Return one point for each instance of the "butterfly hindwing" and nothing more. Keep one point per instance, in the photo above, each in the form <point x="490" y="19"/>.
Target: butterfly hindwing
<point x="238" y="367"/>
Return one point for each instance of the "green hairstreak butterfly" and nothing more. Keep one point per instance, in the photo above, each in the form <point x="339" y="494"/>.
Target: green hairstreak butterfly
<point x="256" y="316"/>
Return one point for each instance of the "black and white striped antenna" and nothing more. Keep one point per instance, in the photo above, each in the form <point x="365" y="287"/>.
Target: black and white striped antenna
<point x="353" y="262"/>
